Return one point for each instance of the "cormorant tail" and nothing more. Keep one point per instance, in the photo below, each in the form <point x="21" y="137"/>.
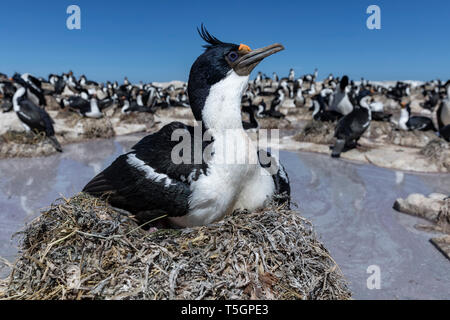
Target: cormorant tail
<point x="55" y="143"/>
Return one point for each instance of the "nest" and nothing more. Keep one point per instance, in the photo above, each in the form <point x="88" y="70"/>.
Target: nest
<point x="24" y="144"/>
<point x="81" y="248"/>
<point x="274" y="123"/>
<point x="438" y="151"/>
<point x="138" y="118"/>
<point x="52" y="104"/>
<point x="22" y="137"/>
<point x="97" y="128"/>
<point x="317" y="132"/>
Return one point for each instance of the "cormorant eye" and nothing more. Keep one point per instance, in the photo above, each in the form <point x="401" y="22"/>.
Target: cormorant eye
<point x="233" y="56"/>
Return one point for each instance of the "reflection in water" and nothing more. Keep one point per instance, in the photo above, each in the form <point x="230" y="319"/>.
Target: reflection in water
<point x="29" y="185"/>
<point x="351" y="208"/>
<point x="399" y="177"/>
<point x="349" y="204"/>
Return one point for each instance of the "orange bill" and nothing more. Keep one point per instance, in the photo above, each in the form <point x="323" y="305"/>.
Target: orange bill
<point x="244" y="47"/>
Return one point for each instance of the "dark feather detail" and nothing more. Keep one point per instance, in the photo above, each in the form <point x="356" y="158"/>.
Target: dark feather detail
<point x="210" y="39"/>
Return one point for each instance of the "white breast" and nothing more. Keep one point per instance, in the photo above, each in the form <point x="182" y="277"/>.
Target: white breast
<point x="234" y="180"/>
<point x="445" y="113"/>
<point x="341" y="103"/>
<point x="404" y="117"/>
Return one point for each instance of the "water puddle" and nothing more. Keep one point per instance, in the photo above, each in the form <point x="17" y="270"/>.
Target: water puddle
<point x="349" y="204"/>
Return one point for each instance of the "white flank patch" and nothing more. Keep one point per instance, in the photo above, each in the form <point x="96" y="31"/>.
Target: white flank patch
<point x="150" y="173"/>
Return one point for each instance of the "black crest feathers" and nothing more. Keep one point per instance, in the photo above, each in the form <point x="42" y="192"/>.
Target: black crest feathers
<point x="211" y="40"/>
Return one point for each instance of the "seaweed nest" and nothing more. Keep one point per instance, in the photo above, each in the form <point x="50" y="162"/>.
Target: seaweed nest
<point x="81" y="248"/>
<point x="97" y="128"/>
<point x="138" y="118"/>
<point x="317" y="132"/>
<point x="386" y="133"/>
<point x="22" y="137"/>
<point x="274" y="123"/>
<point x="24" y="144"/>
<point x="438" y="151"/>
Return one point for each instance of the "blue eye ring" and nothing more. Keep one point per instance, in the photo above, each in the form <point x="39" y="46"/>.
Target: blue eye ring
<point x="232" y="56"/>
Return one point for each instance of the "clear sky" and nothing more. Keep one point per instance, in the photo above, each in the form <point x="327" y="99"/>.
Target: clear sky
<point x="156" y="40"/>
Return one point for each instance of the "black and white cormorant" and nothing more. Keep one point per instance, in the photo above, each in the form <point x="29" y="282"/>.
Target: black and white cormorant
<point x="33" y="88"/>
<point x="252" y="124"/>
<point x="350" y="128"/>
<point x="299" y="99"/>
<point x="291" y="76"/>
<point x="82" y="104"/>
<point x="340" y="101"/>
<point x="34" y="118"/>
<point x="158" y="177"/>
<point x="419" y="123"/>
<point x="443" y="115"/>
<point x="276" y="103"/>
<point x="321" y="112"/>
<point x="443" y="112"/>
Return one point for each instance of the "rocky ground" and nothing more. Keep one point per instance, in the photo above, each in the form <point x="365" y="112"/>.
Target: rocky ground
<point x="382" y="145"/>
<point x="434" y="208"/>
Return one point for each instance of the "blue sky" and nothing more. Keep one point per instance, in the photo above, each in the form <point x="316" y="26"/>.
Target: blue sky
<point x="158" y="41"/>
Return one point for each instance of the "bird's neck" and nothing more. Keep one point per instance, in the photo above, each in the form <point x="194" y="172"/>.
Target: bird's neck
<point x="139" y="100"/>
<point x="317" y="107"/>
<point x="19" y="94"/>
<point x="222" y="107"/>
<point x="94" y="105"/>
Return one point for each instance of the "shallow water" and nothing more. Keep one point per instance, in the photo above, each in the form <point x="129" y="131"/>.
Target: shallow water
<point x="349" y="204"/>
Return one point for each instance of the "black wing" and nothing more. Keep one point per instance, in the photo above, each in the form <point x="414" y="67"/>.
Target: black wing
<point x="34" y="117"/>
<point x="147" y="179"/>
<point x="80" y="104"/>
<point x="279" y="176"/>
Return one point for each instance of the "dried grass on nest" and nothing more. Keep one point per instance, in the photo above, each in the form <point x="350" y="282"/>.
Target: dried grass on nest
<point x="22" y="137"/>
<point x="97" y="128"/>
<point x="269" y="255"/>
<point x="138" y="118"/>
<point x="438" y="150"/>
<point x="23" y="144"/>
<point x="443" y="219"/>
<point x="317" y="132"/>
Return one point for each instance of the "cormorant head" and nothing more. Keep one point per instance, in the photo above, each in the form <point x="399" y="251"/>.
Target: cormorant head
<point x="344" y="83"/>
<point x="220" y="61"/>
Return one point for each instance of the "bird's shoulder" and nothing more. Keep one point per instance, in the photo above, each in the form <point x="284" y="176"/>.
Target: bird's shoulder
<point x="171" y="151"/>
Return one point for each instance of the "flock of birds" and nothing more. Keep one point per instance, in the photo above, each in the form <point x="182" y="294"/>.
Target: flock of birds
<point x="146" y="182"/>
<point x="352" y="105"/>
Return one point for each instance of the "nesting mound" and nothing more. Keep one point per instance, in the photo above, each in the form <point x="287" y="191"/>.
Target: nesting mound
<point x="97" y="128"/>
<point x="274" y="123"/>
<point x="317" y="132"/>
<point x="22" y="137"/>
<point x="52" y="104"/>
<point x="138" y="118"/>
<point x="386" y="133"/>
<point x="83" y="249"/>
<point x="438" y="151"/>
<point x="24" y="144"/>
